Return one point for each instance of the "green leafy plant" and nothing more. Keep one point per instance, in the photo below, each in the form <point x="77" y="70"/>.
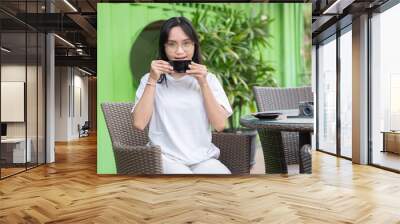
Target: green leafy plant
<point x="232" y="43"/>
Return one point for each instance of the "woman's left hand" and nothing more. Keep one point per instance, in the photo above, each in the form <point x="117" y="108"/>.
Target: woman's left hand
<point x="199" y="72"/>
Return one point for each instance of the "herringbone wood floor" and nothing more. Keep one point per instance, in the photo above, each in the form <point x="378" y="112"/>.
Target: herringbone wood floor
<point x="70" y="191"/>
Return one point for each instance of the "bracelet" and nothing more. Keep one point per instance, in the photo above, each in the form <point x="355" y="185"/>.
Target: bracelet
<point x="150" y="83"/>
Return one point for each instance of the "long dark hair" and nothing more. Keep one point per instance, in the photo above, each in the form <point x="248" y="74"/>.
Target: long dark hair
<point x="188" y="29"/>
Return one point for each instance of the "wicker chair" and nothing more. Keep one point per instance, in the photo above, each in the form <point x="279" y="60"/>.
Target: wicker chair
<point x="133" y="157"/>
<point x="272" y="99"/>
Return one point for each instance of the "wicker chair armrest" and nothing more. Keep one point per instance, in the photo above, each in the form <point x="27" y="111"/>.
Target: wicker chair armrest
<point x="234" y="150"/>
<point x="137" y="160"/>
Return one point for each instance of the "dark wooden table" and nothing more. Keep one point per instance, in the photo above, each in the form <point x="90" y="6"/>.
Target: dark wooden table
<point x="271" y="131"/>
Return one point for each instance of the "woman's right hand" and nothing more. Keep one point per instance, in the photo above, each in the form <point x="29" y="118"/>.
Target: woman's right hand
<point x="159" y="67"/>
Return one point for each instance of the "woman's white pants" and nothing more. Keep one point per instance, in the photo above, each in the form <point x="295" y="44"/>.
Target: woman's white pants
<point x="210" y="166"/>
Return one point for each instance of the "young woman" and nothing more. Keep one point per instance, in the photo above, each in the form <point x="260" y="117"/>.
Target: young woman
<point x="182" y="107"/>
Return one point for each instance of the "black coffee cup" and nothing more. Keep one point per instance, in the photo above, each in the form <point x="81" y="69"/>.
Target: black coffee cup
<point x="180" y="66"/>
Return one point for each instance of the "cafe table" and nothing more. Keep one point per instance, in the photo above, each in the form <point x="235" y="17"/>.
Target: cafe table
<point x="271" y="131"/>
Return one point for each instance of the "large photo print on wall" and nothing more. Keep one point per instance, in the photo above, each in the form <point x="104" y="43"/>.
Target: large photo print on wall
<point x="177" y="84"/>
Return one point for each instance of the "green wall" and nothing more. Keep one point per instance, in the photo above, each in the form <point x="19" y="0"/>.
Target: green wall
<point x="115" y="82"/>
<point x="286" y="43"/>
<point x="120" y="25"/>
<point x="144" y="50"/>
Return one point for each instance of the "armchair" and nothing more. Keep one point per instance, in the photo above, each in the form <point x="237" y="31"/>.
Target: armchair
<point x="133" y="157"/>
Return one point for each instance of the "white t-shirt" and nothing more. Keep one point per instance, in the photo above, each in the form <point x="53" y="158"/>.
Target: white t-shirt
<point x="179" y="124"/>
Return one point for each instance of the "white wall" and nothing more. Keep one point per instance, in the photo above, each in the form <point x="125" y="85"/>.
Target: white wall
<point x="62" y="81"/>
<point x="12" y="101"/>
<point x="71" y="93"/>
<point x="79" y="117"/>
<point x="34" y="124"/>
<point x="14" y="73"/>
<point x="17" y="73"/>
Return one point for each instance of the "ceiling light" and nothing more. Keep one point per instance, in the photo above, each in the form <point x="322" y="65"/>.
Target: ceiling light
<point x="70" y="5"/>
<point x="80" y="51"/>
<point x="337" y="7"/>
<point x="5" y="50"/>
<point x="65" y="41"/>
<point x="84" y="71"/>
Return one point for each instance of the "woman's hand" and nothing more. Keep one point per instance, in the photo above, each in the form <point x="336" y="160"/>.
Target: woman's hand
<point x="199" y="72"/>
<point x="159" y="67"/>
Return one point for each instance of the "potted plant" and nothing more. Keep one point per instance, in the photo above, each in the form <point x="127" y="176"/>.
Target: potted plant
<point x="232" y="43"/>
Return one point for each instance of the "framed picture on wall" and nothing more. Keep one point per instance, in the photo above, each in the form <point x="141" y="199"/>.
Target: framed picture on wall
<point x="12" y="101"/>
